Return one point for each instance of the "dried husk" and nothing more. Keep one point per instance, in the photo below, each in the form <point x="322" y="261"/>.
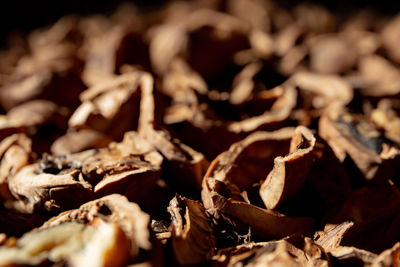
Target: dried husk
<point x="358" y="139"/>
<point x="131" y="167"/>
<point x="15" y="153"/>
<point x="289" y="172"/>
<point x="41" y="120"/>
<point x="107" y="232"/>
<point x="113" y="209"/>
<point x="228" y="176"/>
<point x="51" y="71"/>
<point x="112" y="106"/>
<point x="182" y="165"/>
<point x="78" y="141"/>
<point x="293" y="251"/>
<point x="193" y="241"/>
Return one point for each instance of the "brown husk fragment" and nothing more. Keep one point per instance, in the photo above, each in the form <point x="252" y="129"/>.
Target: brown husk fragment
<point x="332" y="235"/>
<point x="348" y="134"/>
<point x="110" y="230"/>
<point x="249" y="160"/>
<point x="290" y="251"/>
<point x="295" y="105"/>
<point x="41" y="120"/>
<point x="223" y="184"/>
<point x="104" y="104"/>
<point x="15" y="153"/>
<point x="59" y="244"/>
<point x="78" y="141"/>
<point x="290" y="172"/>
<point x="46" y="191"/>
<point x="131" y="167"/>
<point x="183" y="165"/>
<point x="193" y="241"/>
<point x="114" y="209"/>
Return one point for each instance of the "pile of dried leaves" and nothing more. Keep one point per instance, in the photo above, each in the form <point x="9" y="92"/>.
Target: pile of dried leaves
<point x="225" y="133"/>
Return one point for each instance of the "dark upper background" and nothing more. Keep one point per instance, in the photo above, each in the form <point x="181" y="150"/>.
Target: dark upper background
<point x="26" y="15"/>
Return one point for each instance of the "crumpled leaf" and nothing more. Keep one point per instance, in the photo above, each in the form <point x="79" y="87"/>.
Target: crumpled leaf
<point x="352" y="255"/>
<point x="131" y="168"/>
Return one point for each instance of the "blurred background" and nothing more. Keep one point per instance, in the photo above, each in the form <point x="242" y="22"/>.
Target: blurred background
<point x="25" y="15"/>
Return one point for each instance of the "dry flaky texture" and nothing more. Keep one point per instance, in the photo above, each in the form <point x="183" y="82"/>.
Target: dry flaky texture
<point x="251" y="133"/>
<point x="289" y="173"/>
<point x="131" y="167"/>
<point x="265" y="223"/>
<point x="15" y="153"/>
<point x="278" y="113"/>
<point x="105" y="104"/>
<point x="290" y="251"/>
<point x="250" y="160"/>
<point x="33" y="118"/>
<point x="332" y="235"/>
<point x="351" y="255"/>
<point x="246" y="163"/>
<point x="105" y="232"/>
<point x="70" y="243"/>
<point x="48" y="192"/>
<point x="352" y="135"/>
<point x="113" y="209"/>
<point x="193" y="241"/>
<point x="192" y="164"/>
<point x="78" y="141"/>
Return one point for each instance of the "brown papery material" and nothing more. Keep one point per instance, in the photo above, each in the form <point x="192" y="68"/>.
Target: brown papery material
<point x="212" y="133"/>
